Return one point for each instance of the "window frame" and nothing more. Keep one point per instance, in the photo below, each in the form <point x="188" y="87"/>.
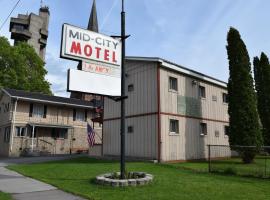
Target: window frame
<point x="20" y="130"/>
<point x="202" y="95"/>
<point x="225" y="97"/>
<point x="226" y="131"/>
<point x="171" y="85"/>
<point x="203" y="127"/>
<point x="171" y="127"/>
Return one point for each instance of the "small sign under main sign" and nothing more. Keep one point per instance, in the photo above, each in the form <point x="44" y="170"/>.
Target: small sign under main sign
<point x="100" y="56"/>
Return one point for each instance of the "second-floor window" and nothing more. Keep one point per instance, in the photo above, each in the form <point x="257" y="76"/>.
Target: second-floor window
<point x="38" y="110"/>
<point x="79" y="115"/>
<point x="202" y="92"/>
<point x="173" y="83"/>
<point x="226" y="130"/>
<point x="225" y="98"/>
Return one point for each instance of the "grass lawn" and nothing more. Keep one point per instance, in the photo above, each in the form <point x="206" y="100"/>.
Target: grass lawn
<point x="4" y="196"/>
<point x="170" y="182"/>
<point x="231" y="166"/>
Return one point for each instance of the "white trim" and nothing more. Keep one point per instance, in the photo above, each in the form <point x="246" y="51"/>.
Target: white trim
<point x="178" y="68"/>
<point x="13" y="125"/>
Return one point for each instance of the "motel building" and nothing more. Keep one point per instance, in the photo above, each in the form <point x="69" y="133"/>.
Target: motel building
<point x="33" y="124"/>
<point x="172" y="113"/>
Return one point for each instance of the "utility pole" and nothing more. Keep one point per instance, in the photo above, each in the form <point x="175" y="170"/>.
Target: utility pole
<point x="123" y="92"/>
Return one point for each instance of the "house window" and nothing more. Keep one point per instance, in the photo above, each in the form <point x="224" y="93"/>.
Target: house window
<point x="130" y="129"/>
<point x="174" y="126"/>
<point x="38" y="110"/>
<point x="7" y="135"/>
<point x="226" y="130"/>
<point x="225" y="98"/>
<point x="173" y="83"/>
<point x="20" y="131"/>
<point x="202" y="92"/>
<point x="79" y="115"/>
<point x="130" y="88"/>
<point x="203" y="129"/>
<point x="60" y="133"/>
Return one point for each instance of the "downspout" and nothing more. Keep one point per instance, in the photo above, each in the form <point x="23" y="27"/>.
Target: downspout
<point x="158" y="111"/>
<point x="13" y="125"/>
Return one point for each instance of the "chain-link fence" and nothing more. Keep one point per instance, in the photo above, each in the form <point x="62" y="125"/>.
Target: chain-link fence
<point x="239" y="160"/>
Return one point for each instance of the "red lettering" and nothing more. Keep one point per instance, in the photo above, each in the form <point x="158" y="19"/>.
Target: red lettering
<point x="106" y="55"/>
<point x="114" y="59"/>
<point x="88" y="50"/>
<point x="98" y="51"/>
<point x="76" y="48"/>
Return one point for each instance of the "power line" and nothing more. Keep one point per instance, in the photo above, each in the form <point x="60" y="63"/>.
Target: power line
<point x="9" y="14"/>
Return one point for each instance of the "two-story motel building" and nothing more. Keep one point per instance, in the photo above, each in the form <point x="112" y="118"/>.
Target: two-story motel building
<point x="172" y="112"/>
<point x="43" y="125"/>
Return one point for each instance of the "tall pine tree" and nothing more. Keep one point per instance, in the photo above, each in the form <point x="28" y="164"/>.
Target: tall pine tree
<point x="243" y="116"/>
<point x="262" y="84"/>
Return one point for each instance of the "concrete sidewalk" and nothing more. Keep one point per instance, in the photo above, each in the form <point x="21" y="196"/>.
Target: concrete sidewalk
<point x="24" y="188"/>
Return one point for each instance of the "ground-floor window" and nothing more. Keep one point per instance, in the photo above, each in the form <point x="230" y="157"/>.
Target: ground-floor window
<point x="20" y="131"/>
<point x="174" y="126"/>
<point x="60" y="133"/>
<point x="203" y="127"/>
<point x="7" y="135"/>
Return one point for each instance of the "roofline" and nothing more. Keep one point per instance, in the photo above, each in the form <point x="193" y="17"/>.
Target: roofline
<point x="179" y="68"/>
<point x="44" y="101"/>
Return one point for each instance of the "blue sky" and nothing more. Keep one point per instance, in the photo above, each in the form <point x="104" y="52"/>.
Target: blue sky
<point x="191" y="33"/>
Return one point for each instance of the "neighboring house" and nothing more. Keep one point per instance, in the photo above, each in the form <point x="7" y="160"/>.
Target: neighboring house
<point x="32" y="29"/>
<point x="34" y="123"/>
<point x="172" y="113"/>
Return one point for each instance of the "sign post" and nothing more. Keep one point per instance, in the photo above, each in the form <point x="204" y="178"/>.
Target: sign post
<point x="123" y="93"/>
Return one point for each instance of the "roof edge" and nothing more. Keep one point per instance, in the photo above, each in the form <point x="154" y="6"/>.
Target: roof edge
<point x="181" y="69"/>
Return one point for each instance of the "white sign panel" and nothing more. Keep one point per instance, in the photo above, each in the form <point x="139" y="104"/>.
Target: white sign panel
<point x="82" y="81"/>
<point x="80" y="44"/>
<point x="101" y="61"/>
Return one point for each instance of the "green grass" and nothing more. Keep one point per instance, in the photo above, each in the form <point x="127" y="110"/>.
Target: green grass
<point x="170" y="182"/>
<point x="232" y="165"/>
<point x="4" y="196"/>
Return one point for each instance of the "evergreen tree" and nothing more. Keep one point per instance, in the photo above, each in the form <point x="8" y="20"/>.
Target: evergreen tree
<point x="21" y="68"/>
<point x="243" y="116"/>
<point x="262" y="84"/>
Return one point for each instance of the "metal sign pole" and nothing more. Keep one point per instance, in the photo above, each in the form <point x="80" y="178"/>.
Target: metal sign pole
<point x="123" y="93"/>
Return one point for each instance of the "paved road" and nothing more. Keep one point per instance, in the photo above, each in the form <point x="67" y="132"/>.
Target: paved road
<point x="24" y="188"/>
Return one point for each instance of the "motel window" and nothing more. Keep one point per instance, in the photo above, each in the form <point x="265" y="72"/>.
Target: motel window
<point x="174" y="126"/>
<point x="173" y="83"/>
<point x="202" y="92"/>
<point x="217" y="133"/>
<point x="60" y="133"/>
<point x="130" y="88"/>
<point x="130" y="129"/>
<point x="7" y="135"/>
<point x="20" y="131"/>
<point x="203" y="129"/>
<point x="226" y="130"/>
<point x="225" y="98"/>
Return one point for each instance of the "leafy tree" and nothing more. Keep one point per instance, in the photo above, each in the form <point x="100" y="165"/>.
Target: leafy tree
<point x="262" y="85"/>
<point x="21" y="68"/>
<point x="244" y="119"/>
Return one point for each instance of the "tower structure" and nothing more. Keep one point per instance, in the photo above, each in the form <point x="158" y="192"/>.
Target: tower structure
<point x="33" y="29"/>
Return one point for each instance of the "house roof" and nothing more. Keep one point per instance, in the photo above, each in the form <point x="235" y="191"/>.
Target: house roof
<point x="184" y="70"/>
<point x="42" y="98"/>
